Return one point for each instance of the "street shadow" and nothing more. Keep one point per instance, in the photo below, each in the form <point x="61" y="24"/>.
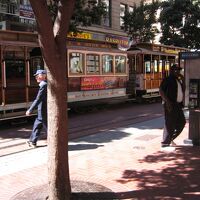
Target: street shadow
<point x="99" y="136"/>
<point x="94" y="196"/>
<point x="103" y="137"/>
<point x="144" y="131"/>
<point x="178" y="180"/>
<point x="21" y="133"/>
<point x="40" y="146"/>
<point x="78" y="147"/>
<point x="107" y="136"/>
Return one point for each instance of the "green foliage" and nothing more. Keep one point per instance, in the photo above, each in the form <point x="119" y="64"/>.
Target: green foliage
<point x="86" y="13"/>
<point x="140" y="24"/>
<point x="180" y="20"/>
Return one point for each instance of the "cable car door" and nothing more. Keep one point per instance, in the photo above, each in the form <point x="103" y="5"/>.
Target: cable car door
<point x="147" y="75"/>
<point x="14" y="85"/>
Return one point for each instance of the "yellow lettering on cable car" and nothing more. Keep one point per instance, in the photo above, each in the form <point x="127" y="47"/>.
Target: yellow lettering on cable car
<point x="82" y="35"/>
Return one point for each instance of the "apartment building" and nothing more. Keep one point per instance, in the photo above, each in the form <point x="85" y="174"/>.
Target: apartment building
<point x="18" y="15"/>
<point x="111" y="27"/>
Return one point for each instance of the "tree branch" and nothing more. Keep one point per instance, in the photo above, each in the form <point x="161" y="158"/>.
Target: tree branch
<point x="52" y="36"/>
<point x="65" y="12"/>
<point x="44" y="24"/>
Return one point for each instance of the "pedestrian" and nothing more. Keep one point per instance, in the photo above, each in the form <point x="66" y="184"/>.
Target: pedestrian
<point x="172" y="90"/>
<point x="40" y="103"/>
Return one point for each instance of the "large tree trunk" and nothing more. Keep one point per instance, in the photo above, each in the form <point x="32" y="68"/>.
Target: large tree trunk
<point x="52" y="40"/>
<point x="59" y="183"/>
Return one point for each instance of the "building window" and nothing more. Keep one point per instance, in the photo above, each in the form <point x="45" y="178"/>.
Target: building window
<point x="123" y="9"/>
<point x="130" y="9"/>
<point x="24" y="2"/>
<point x="10" y="8"/>
<point x="107" y="18"/>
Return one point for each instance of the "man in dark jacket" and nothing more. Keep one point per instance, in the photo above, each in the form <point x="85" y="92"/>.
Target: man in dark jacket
<point x="172" y="92"/>
<point x="41" y="104"/>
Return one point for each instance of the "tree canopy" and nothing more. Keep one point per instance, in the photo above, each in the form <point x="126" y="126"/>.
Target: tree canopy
<point x="179" y="22"/>
<point x="140" y="24"/>
<point x="85" y="13"/>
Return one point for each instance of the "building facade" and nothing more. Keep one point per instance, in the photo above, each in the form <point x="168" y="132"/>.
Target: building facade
<point x="18" y="15"/>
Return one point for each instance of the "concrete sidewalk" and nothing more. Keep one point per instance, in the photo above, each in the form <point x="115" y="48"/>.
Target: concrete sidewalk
<point x="127" y="161"/>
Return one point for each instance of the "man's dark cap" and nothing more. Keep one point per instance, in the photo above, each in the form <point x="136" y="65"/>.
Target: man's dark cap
<point x="175" y="67"/>
<point x="40" y="71"/>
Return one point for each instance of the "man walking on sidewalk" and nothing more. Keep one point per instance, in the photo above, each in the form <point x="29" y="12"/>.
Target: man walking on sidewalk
<point x="172" y="91"/>
<point x="41" y="104"/>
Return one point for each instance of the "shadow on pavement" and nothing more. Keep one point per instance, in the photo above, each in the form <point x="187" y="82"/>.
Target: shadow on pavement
<point x="178" y="180"/>
<point x="77" y="147"/>
<point x="103" y="137"/>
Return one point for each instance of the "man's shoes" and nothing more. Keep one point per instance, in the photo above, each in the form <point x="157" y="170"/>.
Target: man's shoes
<point x="168" y="149"/>
<point x="165" y="145"/>
<point x="31" y="144"/>
<point x="173" y="144"/>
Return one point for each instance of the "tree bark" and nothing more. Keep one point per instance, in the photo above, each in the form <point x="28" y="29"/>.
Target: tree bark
<point x="58" y="170"/>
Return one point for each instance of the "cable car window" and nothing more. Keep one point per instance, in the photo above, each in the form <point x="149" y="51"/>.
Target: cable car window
<point x="147" y="65"/>
<point x="167" y="65"/>
<point x="155" y="66"/>
<point x="15" y="72"/>
<point x="160" y="65"/>
<point x="120" y="64"/>
<point x="15" y="68"/>
<point x="107" y="61"/>
<point x="36" y="63"/>
<point x="76" y="63"/>
<point x="92" y="63"/>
